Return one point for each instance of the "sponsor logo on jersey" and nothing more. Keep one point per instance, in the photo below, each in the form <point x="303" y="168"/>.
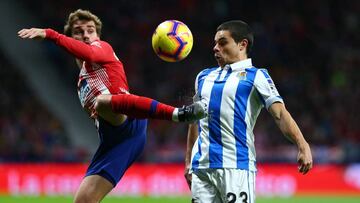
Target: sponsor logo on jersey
<point x="84" y="89"/>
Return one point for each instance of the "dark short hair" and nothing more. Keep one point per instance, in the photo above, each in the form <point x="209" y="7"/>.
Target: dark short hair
<point x="239" y="30"/>
<point x="82" y="15"/>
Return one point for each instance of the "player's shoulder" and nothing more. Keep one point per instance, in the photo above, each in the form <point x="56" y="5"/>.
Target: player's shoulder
<point x="206" y="71"/>
<point x="202" y="74"/>
<point x="262" y="70"/>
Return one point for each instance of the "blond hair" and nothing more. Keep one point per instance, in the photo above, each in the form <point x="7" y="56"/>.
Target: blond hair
<point x="82" y="15"/>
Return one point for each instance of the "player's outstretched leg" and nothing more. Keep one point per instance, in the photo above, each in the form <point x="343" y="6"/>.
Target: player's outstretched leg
<point x="142" y="107"/>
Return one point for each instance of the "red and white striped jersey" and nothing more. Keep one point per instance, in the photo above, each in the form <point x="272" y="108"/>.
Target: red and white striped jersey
<point x="101" y="72"/>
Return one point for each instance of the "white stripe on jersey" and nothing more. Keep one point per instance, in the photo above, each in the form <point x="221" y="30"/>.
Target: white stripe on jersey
<point x="96" y="83"/>
<point x="235" y="97"/>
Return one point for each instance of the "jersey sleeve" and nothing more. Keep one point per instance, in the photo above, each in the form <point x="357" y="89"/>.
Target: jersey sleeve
<point x="97" y="51"/>
<point x="266" y="88"/>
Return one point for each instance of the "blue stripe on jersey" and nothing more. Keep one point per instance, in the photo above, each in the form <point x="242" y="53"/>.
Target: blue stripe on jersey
<point x="266" y="74"/>
<point x="241" y="99"/>
<point x="202" y="75"/>
<point x="216" y="147"/>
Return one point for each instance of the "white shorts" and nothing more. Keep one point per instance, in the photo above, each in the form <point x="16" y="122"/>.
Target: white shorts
<point x="223" y="185"/>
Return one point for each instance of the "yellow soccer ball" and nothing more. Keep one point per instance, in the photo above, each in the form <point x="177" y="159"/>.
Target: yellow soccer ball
<point x="172" y="41"/>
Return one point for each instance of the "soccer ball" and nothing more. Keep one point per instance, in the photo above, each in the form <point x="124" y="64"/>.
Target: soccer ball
<point x="172" y="40"/>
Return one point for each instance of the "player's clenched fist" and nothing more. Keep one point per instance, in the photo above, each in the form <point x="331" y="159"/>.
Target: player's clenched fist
<point x="32" y="33"/>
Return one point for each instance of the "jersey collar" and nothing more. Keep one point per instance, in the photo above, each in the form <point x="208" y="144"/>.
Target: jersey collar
<point x="240" y="65"/>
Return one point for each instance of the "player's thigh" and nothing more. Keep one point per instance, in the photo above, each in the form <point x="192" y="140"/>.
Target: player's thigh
<point x="236" y="186"/>
<point x="203" y="189"/>
<point x="93" y="189"/>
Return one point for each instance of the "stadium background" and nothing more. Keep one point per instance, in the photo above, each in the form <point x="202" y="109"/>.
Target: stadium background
<point x="311" y="49"/>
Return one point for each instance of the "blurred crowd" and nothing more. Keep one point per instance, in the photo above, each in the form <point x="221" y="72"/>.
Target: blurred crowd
<point x="311" y="49"/>
<point x="28" y="131"/>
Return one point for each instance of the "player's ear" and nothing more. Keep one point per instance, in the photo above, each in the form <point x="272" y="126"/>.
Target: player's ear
<point x="243" y="44"/>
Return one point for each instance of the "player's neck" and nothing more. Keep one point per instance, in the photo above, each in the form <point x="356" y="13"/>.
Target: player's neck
<point x="79" y="63"/>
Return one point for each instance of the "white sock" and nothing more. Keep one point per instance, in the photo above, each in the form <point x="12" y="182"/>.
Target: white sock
<point x="175" y="116"/>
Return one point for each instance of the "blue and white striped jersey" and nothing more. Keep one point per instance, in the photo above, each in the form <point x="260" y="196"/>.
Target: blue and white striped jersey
<point x="235" y="96"/>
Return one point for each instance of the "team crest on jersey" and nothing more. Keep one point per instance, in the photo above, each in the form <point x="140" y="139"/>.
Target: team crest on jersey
<point x="242" y="75"/>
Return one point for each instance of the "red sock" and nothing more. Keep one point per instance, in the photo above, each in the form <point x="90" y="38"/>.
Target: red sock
<point x="141" y="107"/>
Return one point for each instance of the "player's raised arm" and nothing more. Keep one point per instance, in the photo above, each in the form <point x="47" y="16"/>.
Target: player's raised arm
<point x="291" y="130"/>
<point x="32" y="33"/>
<point x="83" y="44"/>
<point x="84" y="49"/>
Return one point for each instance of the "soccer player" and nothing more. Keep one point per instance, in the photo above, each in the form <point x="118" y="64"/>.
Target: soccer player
<point x="120" y="117"/>
<point x="220" y="157"/>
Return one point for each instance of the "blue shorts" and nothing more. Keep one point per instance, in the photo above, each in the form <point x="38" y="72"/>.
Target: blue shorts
<point x="119" y="147"/>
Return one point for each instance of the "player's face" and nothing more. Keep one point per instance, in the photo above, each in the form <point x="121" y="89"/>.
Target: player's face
<point x="84" y="31"/>
<point x="227" y="51"/>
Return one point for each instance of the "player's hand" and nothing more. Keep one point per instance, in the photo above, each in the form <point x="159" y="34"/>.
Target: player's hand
<point x="304" y="159"/>
<point x="32" y="33"/>
<point x="188" y="177"/>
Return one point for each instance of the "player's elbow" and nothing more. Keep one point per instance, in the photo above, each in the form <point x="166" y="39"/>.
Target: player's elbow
<point x="277" y="111"/>
<point x="94" y="57"/>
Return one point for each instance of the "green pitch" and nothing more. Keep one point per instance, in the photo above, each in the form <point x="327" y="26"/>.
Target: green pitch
<point x="312" y="199"/>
